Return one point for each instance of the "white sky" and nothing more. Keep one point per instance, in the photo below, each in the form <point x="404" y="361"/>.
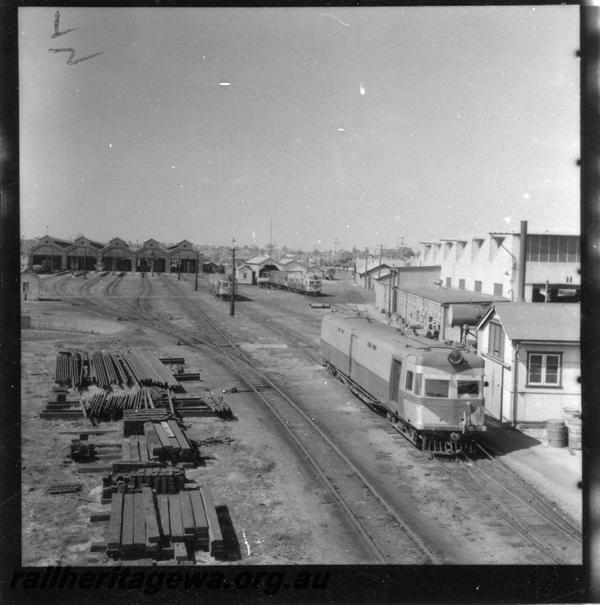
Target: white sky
<point x="365" y="124"/>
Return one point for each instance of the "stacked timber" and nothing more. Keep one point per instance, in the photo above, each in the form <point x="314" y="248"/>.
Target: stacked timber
<point x="167" y="441"/>
<point x="134" y="528"/>
<point x="179" y="361"/>
<point x="134" y="420"/>
<point x="185" y="519"/>
<point x="143" y="524"/>
<point x="215" y="535"/>
<point x="163" y="480"/>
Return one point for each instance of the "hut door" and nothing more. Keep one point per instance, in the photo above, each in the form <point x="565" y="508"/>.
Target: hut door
<point x="493" y="392"/>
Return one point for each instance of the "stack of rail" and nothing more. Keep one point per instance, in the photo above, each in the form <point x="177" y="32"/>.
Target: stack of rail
<point x="111" y="406"/>
<point x="106" y="369"/>
<point x="149" y="371"/>
<point x="69" y="370"/>
<point x="218" y="405"/>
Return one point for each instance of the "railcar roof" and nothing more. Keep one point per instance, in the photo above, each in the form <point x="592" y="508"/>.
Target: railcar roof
<point x="430" y="352"/>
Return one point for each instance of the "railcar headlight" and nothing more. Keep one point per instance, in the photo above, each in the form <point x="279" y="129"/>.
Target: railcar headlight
<point x="455" y="357"/>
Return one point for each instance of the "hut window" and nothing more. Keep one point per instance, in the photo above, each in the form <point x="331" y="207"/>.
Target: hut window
<point x="496" y="340"/>
<point x="544" y="369"/>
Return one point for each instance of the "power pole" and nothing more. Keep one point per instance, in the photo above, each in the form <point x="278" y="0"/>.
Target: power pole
<point x="232" y="301"/>
<point x="335" y="242"/>
<point x="197" y="263"/>
<point x="380" y="255"/>
<point x="366" y="265"/>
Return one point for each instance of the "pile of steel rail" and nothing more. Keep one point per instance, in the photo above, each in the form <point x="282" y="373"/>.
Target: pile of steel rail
<point x="218" y="405"/>
<point x="110" y="406"/>
<point x="69" y="369"/>
<point x="104" y="369"/>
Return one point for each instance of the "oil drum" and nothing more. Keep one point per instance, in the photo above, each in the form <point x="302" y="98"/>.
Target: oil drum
<point x="575" y="433"/>
<point x="556" y="432"/>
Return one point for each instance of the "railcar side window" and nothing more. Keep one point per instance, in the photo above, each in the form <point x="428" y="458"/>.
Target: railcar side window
<point x="418" y="383"/>
<point x="409" y="380"/>
<point x="467" y="387"/>
<point x="435" y="387"/>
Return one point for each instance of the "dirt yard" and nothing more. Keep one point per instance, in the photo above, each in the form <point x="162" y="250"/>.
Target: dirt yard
<point x="279" y="513"/>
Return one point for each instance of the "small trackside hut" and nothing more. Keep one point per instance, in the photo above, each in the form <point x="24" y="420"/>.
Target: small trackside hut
<point x="432" y="394"/>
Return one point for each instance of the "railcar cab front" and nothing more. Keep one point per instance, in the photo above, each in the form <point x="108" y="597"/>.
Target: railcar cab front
<point x="439" y="389"/>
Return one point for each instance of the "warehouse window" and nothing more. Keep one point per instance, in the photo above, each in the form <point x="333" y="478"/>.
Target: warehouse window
<point x="553" y="248"/>
<point x="496" y="340"/>
<point x="448" y="282"/>
<point x="409" y="380"/>
<point x="477" y="286"/>
<point x="497" y="289"/>
<point x="544" y="369"/>
<point x="461" y="284"/>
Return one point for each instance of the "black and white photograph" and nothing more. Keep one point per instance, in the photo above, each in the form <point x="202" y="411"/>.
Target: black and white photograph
<point x="299" y="286"/>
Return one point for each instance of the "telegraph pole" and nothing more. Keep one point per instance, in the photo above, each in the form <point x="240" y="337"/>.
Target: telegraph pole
<point x="197" y="263"/>
<point x="366" y="265"/>
<point x="232" y="301"/>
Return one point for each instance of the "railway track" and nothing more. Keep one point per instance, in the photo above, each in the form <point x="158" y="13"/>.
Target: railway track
<point x="510" y="502"/>
<point x="383" y="532"/>
<point x="517" y="505"/>
<point x="375" y="521"/>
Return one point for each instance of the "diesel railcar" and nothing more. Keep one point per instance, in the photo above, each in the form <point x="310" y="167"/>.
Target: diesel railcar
<point x="431" y="392"/>
<point x="305" y="283"/>
<point x="220" y="286"/>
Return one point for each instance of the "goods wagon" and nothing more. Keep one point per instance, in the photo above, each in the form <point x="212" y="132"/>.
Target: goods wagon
<point x="431" y="393"/>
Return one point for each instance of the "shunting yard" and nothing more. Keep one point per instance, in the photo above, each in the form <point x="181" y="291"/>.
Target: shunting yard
<point x="271" y="504"/>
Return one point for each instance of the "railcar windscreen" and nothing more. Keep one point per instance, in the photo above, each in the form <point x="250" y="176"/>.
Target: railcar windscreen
<point x="435" y="387"/>
<point x="467" y="387"/>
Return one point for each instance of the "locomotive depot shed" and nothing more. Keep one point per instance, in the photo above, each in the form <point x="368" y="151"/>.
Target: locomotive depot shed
<point x="84" y="254"/>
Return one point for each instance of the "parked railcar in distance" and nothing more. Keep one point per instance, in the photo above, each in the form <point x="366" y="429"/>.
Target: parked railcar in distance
<point x="305" y="283"/>
<point x="220" y="285"/>
<point x="432" y="393"/>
